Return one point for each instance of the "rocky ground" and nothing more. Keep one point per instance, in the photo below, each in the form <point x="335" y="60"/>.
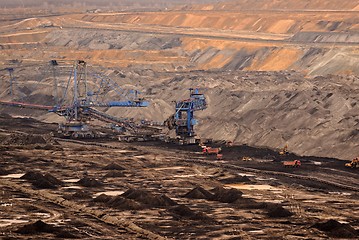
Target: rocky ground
<point x="315" y="116"/>
<point x="271" y="77"/>
<point x="52" y="188"/>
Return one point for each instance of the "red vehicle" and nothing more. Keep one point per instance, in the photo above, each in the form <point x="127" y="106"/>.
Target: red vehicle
<point x="295" y="163"/>
<point x="210" y="150"/>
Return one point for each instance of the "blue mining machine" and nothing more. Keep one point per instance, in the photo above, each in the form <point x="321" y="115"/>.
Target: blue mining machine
<point x="77" y="100"/>
<point x="183" y="120"/>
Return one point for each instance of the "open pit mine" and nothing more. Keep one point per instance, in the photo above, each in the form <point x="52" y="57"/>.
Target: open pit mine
<point x="203" y="119"/>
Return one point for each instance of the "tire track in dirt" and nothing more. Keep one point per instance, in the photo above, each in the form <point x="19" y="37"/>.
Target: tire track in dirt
<point x="235" y="167"/>
<point x="273" y="173"/>
<point x="73" y="206"/>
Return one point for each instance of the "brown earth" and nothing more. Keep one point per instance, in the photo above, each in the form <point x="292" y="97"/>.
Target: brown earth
<point x="314" y="116"/>
<point x="172" y="191"/>
<point x="273" y="73"/>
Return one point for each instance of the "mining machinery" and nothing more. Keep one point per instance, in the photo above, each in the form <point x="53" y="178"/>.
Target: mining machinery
<point x="294" y="163"/>
<point x="353" y="164"/>
<point x="79" y="107"/>
<point x="284" y="150"/>
<point x="183" y="120"/>
<point x="78" y="99"/>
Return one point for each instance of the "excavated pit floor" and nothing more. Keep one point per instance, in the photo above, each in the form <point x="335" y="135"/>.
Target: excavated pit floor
<point x="156" y="188"/>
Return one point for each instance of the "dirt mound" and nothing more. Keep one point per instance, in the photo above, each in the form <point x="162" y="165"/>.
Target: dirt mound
<point x="182" y="211"/>
<point x="114" y="174"/>
<point x="336" y="229"/>
<point x="38" y="226"/>
<point x="238" y="179"/>
<point x="103" y="198"/>
<point x="113" y="166"/>
<point x="118" y="202"/>
<point x="41" y="181"/>
<point x="226" y="195"/>
<point x="52" y="179"/>
<point x="233" y="196"/>
<point x="32" y="175"/>
<point x="277" y="211"/>
<point x="199" y="193"/>
<point x="80" y="194"/>
<point x="24" y="139"/>
<point x="89" y="182"/>
<point x="148" y="198"/>
<point x="124" y="203"/>
<point x="42" y="227"/>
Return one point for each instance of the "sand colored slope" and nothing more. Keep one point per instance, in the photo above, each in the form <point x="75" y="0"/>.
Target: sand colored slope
<point x="280" y="59"/>
<point x="259" y="56"/>
<point x="282" y="4"/>
<point x="228" y="40"/>
<point x="156" y="59"/>
<point x="272" y="22"/>
<point x="32" y="23"/>
<point x="218" y="61"/>
<point x="107" y="49"/>
<point x="282" y="26"/>
<point x="193" y="44"/>
<point x="23" y="37"/>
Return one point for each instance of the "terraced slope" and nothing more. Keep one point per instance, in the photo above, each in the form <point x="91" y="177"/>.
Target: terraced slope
<point x="306" y="5"/>
<point x="280" y="22"/>
<point x="263" y="91"/>
<point x="313" y="42"/>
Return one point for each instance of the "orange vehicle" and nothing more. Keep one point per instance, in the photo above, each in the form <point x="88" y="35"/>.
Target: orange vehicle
<point x="247" y="159"/>
<point x="219" y="156"/>
<point x="295" y="163"/>
<point x="354" y="163"/>
<point x="284" y="150"/>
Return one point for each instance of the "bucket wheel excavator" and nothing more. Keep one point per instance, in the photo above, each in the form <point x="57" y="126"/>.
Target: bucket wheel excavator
<point x="183" y="120"/>
<point x="78" y="99"/>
